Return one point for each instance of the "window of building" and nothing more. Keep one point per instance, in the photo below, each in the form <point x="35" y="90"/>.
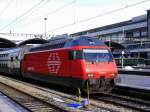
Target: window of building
<point x="129" y="35"/>
<point x="136" y="34"/>
<point x="144" y="33"/>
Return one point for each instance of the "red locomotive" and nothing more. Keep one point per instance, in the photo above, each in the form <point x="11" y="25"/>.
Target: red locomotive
<point x="73" y="62"/>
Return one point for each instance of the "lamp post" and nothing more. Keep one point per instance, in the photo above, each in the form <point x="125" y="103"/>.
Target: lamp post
<point x="122" y="63"/>
<point x="45" y="26"/>
<point x="123" y="35"/>
<point x="126" y="4"/>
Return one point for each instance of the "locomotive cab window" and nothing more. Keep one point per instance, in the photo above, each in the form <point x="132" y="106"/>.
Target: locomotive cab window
<point x="75" y="54"/>
<point x="97" y="55"/>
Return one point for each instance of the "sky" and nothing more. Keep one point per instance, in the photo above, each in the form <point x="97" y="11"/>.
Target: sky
<point x="64" y="16"/>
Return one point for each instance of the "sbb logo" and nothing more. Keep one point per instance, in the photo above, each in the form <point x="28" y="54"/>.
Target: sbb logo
<point x="54" y="62"/>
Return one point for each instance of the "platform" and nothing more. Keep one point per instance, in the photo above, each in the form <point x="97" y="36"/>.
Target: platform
<point x="137" y="71"/>
<point x="135" y="81"/>
<point x="7" y="105"/>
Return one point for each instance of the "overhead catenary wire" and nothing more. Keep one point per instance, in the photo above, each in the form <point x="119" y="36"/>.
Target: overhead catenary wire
<point x="84" y="20"/>
<point x="52" y="12"/>
<point x="30" y="13"/>
<point x="6" y="7"/>
<point x="60" y="8"/>
<point x="15" y="22"/>
<point x="22" y="15"/>
<point x="100" y="15"/>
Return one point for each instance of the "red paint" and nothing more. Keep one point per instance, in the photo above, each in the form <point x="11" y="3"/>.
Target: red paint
<point x="56" y="62"/>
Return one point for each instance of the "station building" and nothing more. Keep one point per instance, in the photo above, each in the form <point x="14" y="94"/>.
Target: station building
<point x="134" y="34"/>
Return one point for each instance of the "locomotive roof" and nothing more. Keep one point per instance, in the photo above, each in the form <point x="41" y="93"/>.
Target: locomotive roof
<point x="85" y="41"/>
<point x="69" y="42"/>
<point x="74" y="41"/>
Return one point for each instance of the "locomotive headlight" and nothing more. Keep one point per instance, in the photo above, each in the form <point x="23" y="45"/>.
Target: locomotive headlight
<point x="112" y="74"/>
<point x="90" y="75"/>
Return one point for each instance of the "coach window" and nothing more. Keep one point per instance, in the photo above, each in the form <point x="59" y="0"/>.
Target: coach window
<point x="16" y="57"/>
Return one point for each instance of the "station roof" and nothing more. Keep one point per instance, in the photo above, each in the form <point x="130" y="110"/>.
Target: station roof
<point x="33" y="41"/>
<point x="5" y="43"/>
<point x="114" y="45"/>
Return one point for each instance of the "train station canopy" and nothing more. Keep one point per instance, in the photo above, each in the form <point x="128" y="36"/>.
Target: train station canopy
<point x="5" y="43"/>
<point x="33" y="41"/>
<point x="114" y="45"/>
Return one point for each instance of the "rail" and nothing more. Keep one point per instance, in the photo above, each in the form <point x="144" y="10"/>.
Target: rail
<point x="51" y="97"/>
<point x="48" y="96"/>
<point x="135" y="99"/>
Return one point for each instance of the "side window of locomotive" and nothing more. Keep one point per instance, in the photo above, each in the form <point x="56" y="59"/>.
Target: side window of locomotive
<point x="70" y="55"/>
<point x="79" y="54"/>
<point x="75" y="54"/>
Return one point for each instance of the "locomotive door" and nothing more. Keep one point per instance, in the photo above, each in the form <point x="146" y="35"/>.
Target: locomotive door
<point x="75" y="66"/>
<point x="70" y="71"/>
<point x="70" y="66"/>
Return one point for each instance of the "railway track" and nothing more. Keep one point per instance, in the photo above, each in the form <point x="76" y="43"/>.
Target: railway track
<point x="30" y="103"/>
<point x="31" y="97"/>
<point x="98" y="102"/>
<point x="133" y="103"/>
<point x="44" y="95"/>
<point x="128" y="91"/>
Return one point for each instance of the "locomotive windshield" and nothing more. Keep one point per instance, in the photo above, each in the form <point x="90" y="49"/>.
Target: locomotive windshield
<point x="97" y="55"/>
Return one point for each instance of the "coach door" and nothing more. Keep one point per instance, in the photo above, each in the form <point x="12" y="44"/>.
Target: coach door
<point x="11" y="63"/>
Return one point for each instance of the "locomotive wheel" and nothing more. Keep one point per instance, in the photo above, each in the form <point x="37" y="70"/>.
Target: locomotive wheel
<point x="109" y="85"/>
<point x="87" y="88"/>
<point x="102" y="85"/>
